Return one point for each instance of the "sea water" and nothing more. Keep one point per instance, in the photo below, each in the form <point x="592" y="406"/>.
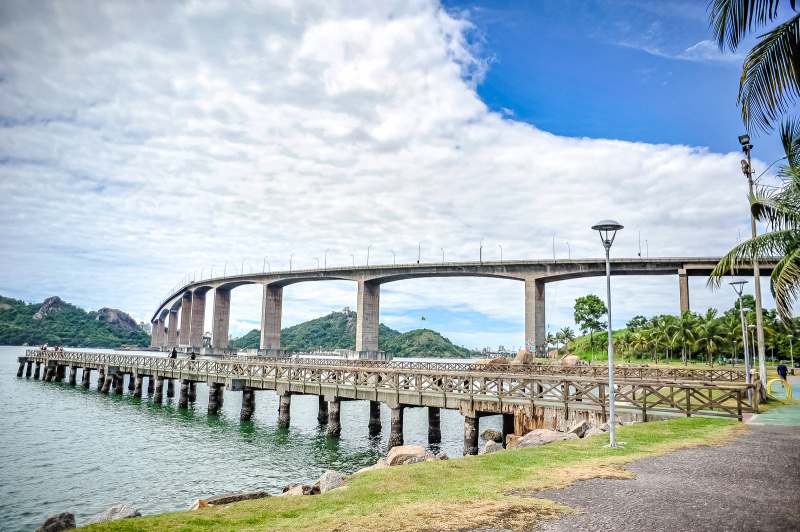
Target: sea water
<point x="67" y="449"/>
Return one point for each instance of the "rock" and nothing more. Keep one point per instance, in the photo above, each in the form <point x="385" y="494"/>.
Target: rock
<point x="58" y="522"/>
<point x="219" y="500"/>
<point x="523" y="357"/>
<point x="571" y="436"/>
<point x="493" y="435"/>
<point x="381" y="464"/>
<point x="496" y="360"/>
<point x="604" y="427"/>
<point x="540" y="437"/>
<point x="119" y="320"/>
<point x="628" y="423"/>
<point x="198" y="504"/>
<point x="330" y="480"/>
<point x="490" y="447"/>
<point x="594" y="431"/>
<point x="580" y="428"/>
<point x="300" y="489"/>
<point x="50" y="305"/>
<point x="115" y="513"/>
<point x="442" y="456"/>
<point x="400" y="454"/>
<point x="291" y="486"/>
<point x="569" y="360"/>
<point x="511" y="441"/>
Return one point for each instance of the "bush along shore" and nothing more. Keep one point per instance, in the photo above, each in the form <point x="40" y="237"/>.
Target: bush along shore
<point x="501" y="488"/>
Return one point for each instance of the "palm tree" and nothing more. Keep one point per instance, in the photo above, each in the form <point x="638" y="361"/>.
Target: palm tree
<point x="640" y="340"/>
<point x="770" y="81"/>
<point x="709" y="335"/>
<point x="687" y="323"/>
<point x="569" y="335"/>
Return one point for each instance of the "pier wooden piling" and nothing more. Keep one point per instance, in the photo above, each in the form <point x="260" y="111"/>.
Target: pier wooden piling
<point x="434" y="425"/>
<point x="284" y="410"/>
<point x="396" y="435"/>
<point x="334" y="418"/>
<point x="470" y="435"/>
<point x="248" y="403"/>
<point x="374" y="418"/>
<point x="322" y="412"/>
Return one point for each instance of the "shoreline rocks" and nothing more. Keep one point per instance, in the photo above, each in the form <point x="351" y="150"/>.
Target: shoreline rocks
<point x="58" y="522"/>
<point x="115" y="513"/>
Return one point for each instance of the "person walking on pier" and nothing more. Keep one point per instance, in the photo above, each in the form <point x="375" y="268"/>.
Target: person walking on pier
<point x="173" y="355"/>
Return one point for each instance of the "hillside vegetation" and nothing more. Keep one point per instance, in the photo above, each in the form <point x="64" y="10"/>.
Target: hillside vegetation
<point x="56" y="322"/>
<point x="338" y="331"/>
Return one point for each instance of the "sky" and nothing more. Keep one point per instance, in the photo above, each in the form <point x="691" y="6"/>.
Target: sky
<point x="145" y="142"/>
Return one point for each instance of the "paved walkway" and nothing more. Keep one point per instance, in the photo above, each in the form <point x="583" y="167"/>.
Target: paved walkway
<point x="752" y="484"/>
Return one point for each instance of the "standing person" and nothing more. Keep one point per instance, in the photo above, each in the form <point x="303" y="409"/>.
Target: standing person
<point x="782" y="370"/>
<point x="174" y="353"/>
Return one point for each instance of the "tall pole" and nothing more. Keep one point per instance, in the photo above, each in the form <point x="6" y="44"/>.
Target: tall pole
<point x="480" y="253"/>
<point x="610" y="350"/>
<point x="739" y="289"/>
<point x="368" y="253"/>
<point x="326" y="258"/>
<point x="762" y="361"/>
<point x="791" y="352"/>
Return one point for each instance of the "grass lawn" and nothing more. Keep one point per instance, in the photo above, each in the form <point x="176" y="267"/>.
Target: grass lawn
<point x="499" y="490"/>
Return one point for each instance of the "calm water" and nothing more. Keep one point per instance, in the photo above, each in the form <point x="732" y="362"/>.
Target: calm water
<point x="64" y="448"/>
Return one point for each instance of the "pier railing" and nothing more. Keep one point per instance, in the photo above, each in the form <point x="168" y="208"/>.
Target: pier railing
<point x="489" y="383"/>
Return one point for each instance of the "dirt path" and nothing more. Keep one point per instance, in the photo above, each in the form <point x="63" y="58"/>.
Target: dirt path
<point x="752" y="484"/>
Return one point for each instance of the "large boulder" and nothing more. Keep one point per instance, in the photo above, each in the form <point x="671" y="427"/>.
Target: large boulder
<point x="402" y="453"/>
<point x="496" y="360"/>
<point x="523" y="357"/>
<point x="58" y="522"/>
<point x="49" y="306"/>
<point x="569" y="360"/>
<point x="330" y="480"/>
<point x="379" y="465"/>
<point x="228" y="498"/>
<point x="493" y="435"/>
<point x="593" y="431"/>
<point x="511" y="440"/>
<point x="540" y="437"/>
<point x="491" y="447"/>
<point x="115" y="513"/>
<point x="300" y="489"/>
<point x="442" y="456"/>
<point x="580" y="428"/>
<point x="121" y="321"/>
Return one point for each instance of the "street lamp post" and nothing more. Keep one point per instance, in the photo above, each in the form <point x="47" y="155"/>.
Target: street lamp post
<point x="317" y="262"/>
<point x="368" y="253"/>
<point x="791" y="351"/>
<point x="290" y="261"/>
<point x="354" y="260"/>
<point x="264" y="264"/>
<point x="201" y="272"/>
<point x="243" y="266"/>
<point x="554" y="248"/>
<point x="569" y="252"/>
<point x="442" y="255"/>
<point x="739" y="287"/>
<point x="211" y="275"/>
<point x="394" y="259"/>
<point x="747" y="168"/>
<point x="753" y="339"/>
<point x="480" y="253"/>
<point x="225" y="270"/>
<point x="326" y="258"/>
<point x="501" y="252"/>
<point x="605" y="227"/>
<point x="419" y="252"/>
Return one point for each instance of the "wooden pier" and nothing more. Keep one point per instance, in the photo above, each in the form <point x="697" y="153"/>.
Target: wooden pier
<point x="528" y="397"/>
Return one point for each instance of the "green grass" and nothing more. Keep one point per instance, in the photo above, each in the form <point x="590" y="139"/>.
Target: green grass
<point x="453" y="494"/>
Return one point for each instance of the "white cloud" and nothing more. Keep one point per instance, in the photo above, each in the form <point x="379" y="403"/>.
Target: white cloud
<point x="143" y="143"/>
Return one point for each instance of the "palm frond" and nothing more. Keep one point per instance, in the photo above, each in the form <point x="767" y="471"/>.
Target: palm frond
<point x="785" y="283"/>
<point x="781" y="210"/>
<point x="771" y="76"/>
<point x="790" y="138"/>
<point x="732" y="19"/>
<point x="772" y="244"/>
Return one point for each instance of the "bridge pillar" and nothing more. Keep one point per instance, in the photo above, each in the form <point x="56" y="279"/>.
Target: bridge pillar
<point x="198" y="319"/>
<point x="535" y="317"/>
<point x="271" y="308"/>
<point x="434" y="425"/>
<point x="29" y="369"/>
<point x="137" y="389"/>
<point x="186" y="319"/>
<point x="36" y="371"/>
<point x="248" y="403"/>
<point x="158" y="398"/>
<point x="396" y="435"/>
<point x="172" y="329"/>
<point x="101" y="379"/>
<point x="170" y="387"/>
<point x="192" y="391"/>
<point x="215" y="391"/>
<point x="683" y="284"/>
<point x="131" y="382"/>
<point x="153" y="341"/>
<point x="73" y="375"/>
<point x="183" y="399"/>
<point x="322" y="414"/>
<point x="471" y="435"/>
<point x="86" y="378"/>
<point x="60" y="373"/>
<point x="368" y="317"/>
<point x="508" y="426"/>
<point x="151" y="384"/>
<point x="120" y="380"/>
<point x="107" y="384"/>
<point x="284" y="410"/>
<point x="222" y="316"/>
<point x="334" y="418"/>
<point x="374" y="418"/>
<point x="21" y="368"/>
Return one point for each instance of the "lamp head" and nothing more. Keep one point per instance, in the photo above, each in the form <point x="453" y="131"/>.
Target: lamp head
<point x="738" y="286"/>
<point x="744" y="140"/>
<point x="789" y="336"/>
<point x="751" y="326"/>
<point x="604" y="227"/>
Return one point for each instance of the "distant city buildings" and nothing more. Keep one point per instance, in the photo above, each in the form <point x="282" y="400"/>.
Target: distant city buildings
<point x="146" y="327"/>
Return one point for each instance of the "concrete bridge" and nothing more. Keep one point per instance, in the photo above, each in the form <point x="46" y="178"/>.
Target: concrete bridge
<point x="530" y="397"/>
<point x="184" y="310"/>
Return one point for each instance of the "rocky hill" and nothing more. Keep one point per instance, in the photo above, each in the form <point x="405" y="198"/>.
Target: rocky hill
<point x="55" y="321"/>
<point x="337" y="330"/>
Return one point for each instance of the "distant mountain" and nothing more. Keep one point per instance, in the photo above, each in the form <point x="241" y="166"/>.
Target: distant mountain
<point x="56" y="322"/>
<point x="337" y="330"/>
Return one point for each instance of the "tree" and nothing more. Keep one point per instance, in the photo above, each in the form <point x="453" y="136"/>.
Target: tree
<point x="636" y="323"/>
<point x="569" y="335"/>
<point x="588" y="311"/>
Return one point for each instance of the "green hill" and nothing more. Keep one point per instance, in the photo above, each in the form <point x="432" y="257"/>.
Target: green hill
<point x="56" y="322"/>
<point x="338" y="331"/>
